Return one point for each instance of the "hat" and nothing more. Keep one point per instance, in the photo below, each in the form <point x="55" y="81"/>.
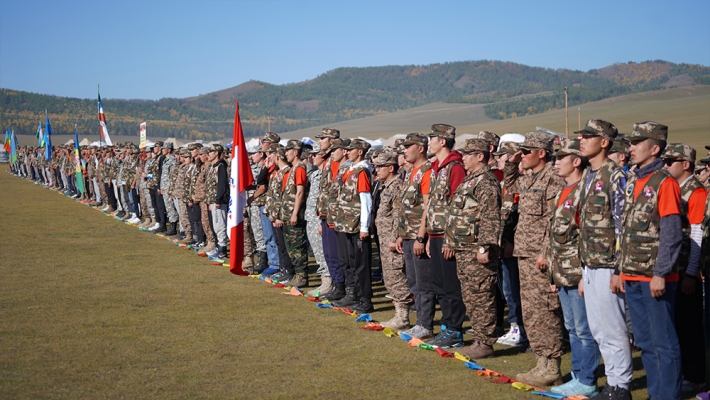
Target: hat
<point x="315" y="149"/>
<point x="386" y="158"/>
<point x="476" y="145"/>
<point x="328" y="133"/>
<point x="169" y="145"/>
<point x="537" y="140"/>
<point x="700" y="167"/>
<point x="271" y="137"/>
<point x="273" y="147"/>
<point x="205" y="150"/>
<point x="194" y="146"/>
<point x="567" y="147"/>
<point x="340" y="143"/>
<point x="599" y="127"/>
<point x="361" y="144"/>
<point x="217" y="147"/>
<point x="398" y="146"/>
<point x="679" y="151"/>
<point x="158" y="144"/>
<point x="443" y="131"/>
<point x="294" y="144"/>
<point x="491" y="137"/>
<point x="415" y="138"/>
<point x="621" y="145"/>
<point x="649" y="130"/>
<point x="507" y="148"/>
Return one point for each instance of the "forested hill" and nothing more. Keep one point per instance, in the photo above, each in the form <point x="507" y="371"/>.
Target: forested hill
<point x="346" y="93"/>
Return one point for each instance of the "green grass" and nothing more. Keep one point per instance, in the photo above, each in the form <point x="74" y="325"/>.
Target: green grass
<point x="93" y="308"/>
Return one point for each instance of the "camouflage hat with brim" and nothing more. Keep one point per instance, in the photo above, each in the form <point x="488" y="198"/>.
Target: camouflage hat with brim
<point x="620" y="146"/>
<point x="205" y="150"/>
<point x="490" y="136"/>
<point x="217" y="147"/>
<point x="386" y="158"/>
<point x="399" y="146"/>
<point x="340" y="143"/>
<point x="294" y="144"/>
<point x="680" y="152"/>
<point x="443" y="131"/>
<point x="599" y="127"/>
<point x="415" y="138"/>
<point x="194" y="146"/>
<point x="360" y="144"/>
<point x="475" y="145"/>
<point x="538" y="141"/>
<point x="169" y="145"/>
<point x="315" y="149"/>
<point x="700" y="167"/>
<point x="507" y="148"/>
<point x="158" y="144"/>
<point x="271" y="137"/>
<point x="328" y="133"/>
<point x="567" y="147"/>
<point x="648" y="130"/>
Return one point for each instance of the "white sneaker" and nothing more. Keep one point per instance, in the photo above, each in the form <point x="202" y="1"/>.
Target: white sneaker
<point x="512" y="338"/>
<point x="156" y="226"/>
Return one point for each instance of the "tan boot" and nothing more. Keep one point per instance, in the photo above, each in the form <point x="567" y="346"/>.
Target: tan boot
<point x="400" y="319"/>
<point x="478" y="350"/>
<point x="248" y="262"/>
<point x="187" y="240"/>
<point x="325" y="286"/>
<point x="210" y="246"/>
<point x="147" y="223"/>
<point x="547" y="373"/>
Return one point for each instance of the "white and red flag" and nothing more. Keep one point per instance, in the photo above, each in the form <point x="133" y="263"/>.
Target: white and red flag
<point x="240" y="179"/>
<point x="102" y="121"/>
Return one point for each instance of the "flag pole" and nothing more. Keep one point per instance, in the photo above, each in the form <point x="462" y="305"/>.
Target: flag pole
<point x="99" y="93"/>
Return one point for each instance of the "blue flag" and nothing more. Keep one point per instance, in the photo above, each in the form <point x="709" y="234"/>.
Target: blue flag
<point x="47" y="139"/>
<point x="13" y="147"/>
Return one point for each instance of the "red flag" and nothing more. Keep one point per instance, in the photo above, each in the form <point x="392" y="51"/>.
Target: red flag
<point x="240" y="179"/>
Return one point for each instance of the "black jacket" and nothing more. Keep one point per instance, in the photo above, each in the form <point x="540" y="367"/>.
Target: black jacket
<point x="222" y="183"/>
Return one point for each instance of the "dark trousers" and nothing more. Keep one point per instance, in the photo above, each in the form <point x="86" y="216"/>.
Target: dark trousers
<point x="158" y="206"/>
<point x="194" y="213"/>
<point x="330" y="253"/>
<point x="355" y="260"/>
<point x="447" y="287"/>
<point x="689" y="326"/>
<point x="111" y="196"/>
<point x="284" y="260"/>
<point x="418" y="271"/>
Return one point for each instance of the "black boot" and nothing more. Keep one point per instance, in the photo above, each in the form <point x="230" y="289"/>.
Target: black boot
<point x="336" y="293"/>
<point x="160" y="229"/>
<point x="173" y="229"/>
<point x="262" y="262"/>
<point x="364" y="306"/>
<point x="351" y="298"/>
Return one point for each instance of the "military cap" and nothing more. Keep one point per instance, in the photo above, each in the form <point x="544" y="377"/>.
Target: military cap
<point x="386" y="158"/>
<point x="314" y="149"/>
<point x="567" y="147"/>
<point x="620" y="146"/>
<point x="363" y="145"/>
<point x="507" y="148"/>
<point x="415" y="138"/>
<point x="271" y="137"/>
<point x="217" y="147"/>
<point x="294" y="144"/>
<point x="398" y="146"/>
<point x="169" y="145"/>
<point x="700" y="167"/>
<point x="491" y="137"/>
<point x="158" y="144"/>
<point x="476" y="145"/>
<point x="329" y="133"/>
<point x="599" y="127"/>
<point x="185" y="152"/>
<point x="443" y="131"/>
<point x="340" y="143"/>
<point x="679" y="151"/>
<point x="273" y="147"/>
<point x="194" y="146"/>
<point x="649" y="130"/>
<point x="538" y="140"/>
<point x="205" y="150"/>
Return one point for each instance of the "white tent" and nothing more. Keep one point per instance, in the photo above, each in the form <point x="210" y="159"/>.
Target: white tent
<point x="84" y="142"/>
<point x="70" y="141"/>
<point x="390" y="142"/>
<point x="461" y="140"/>
<point x="374" y="144"/>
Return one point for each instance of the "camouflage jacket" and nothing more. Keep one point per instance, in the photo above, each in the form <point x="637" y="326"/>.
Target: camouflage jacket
<point x="107" y="169"/>
<point x="314" y="177"/>
<point x="334" y="189"/>
<point x="412" y="211"/>
<point x="211" y="185"/>
<point x="347" y="216"/>
<point x="200" y="191"/>
<point x="325" y="185"/>
<point x="473" y="218"/>
<point x="153" y="173"/>
<point x="388" y="210"/>
<point x="191" y="175"/>
<point x="686" y="191"/>
<point x="563" y="257"/>
<point x="508" y="217"/>
<point x="168" y="165"/>
<point x="91" y="167"/>
<point x="288" y="196"/>
<point x="129" y="172"/>
<point x="177" y="181"/>
<point x="439" y="199"/>
<point x="273" y="194"/>
<point x="537" y="193"/>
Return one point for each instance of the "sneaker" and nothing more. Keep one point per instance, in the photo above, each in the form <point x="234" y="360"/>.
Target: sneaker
<point x="575" y="388"/>
<point x="269" y="271"/>
<point x="418" y="332"/>
<point x="612" y="393"/>
<point x="690" y="387"/>
<point x="447" y="339"/>
<point x="512" y="338"/>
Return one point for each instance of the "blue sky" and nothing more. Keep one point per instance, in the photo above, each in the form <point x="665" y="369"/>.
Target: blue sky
<point x="153" y="49"/>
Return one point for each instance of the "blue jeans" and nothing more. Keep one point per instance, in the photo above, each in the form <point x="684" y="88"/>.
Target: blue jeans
<point x="272" y="252"/>
<point x="585" y="352"/>
<point x="511" y="291"/>
<point x="654" y="331"/>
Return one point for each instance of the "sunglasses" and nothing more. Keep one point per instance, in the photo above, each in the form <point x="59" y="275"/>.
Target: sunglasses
<point x="670" y="162"/>
<point x="525" y="151"/>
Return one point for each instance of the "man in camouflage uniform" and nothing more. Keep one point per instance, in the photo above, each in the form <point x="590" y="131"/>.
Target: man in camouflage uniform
<point x="217" y="183"/>
<point x="272" y="208"/>
<point x="147" y="210"/>
<point x="680" y="160"/>
<point x="619" y="153"/>
<point x="200" y="198"/>
<point x="169" y="163"/>
<point x="651" y="240"/>
<point x="319" y="158"/>
<point x="566" y="270"/>
<point x="600" y="216"/>
<point x="154" y="177"/>
<point x="193" y="209"/>
<point x="257" y="161"/>
<point x="387" y="223"/>
<point x="472" y="230"/>
<point x="541" y="306"/>
<point x="181" y="193"/>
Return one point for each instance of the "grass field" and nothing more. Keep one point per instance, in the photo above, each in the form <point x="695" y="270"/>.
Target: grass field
<point x="94" y="308"/>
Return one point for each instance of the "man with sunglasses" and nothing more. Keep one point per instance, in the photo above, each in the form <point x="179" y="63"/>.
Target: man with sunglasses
<point x="542" y="312"/>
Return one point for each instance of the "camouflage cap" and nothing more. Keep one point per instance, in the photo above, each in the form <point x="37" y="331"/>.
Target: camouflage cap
<point x="599" y="127"/>
<point x="169" y="145"/>
<point x="620" y="146"/>
<point x="194" y="146"/>
<point x="386" y="158"/>
<point x="567" y="147"/>
<point x="491" y="137"/>
<point x="158" y="144"/>
<point x="328" y="133"/>
<point x="443" y="131"/>
<point x="415" y="138"/>
<point x="184" y="152"/>
<point x="294" y="144"/>
<point x="507" y="148"/>
<point x="361" y="144"/>
<point x="206" y="150"/>
<point x="340" y="143"/>
<point x="399" y="146"/>
<point x="538" y="140"/>
<point x="217" y="147"/>
<point x="649" y="130"/>
<point x="700" y="167"/>
<point x="476" y="145"/>
<point x="679" y="151"/>
<point x="271" y="137"/>
<point x="314" y="149"/>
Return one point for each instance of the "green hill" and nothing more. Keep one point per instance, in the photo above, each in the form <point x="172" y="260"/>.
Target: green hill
<point x="507" y="89"/>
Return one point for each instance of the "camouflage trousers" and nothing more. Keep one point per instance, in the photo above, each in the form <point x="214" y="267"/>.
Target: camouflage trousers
<point x="296" y="245"/>
<point x="393" y="270"/>
<point x="478" y="288"/>
<point x="102" y="192"/>
<point x="316" y="241"/>
<point x="253" y="212"/>
<point x="542" y="312"/>
<point x="184" y="218"/>
<point x="249" y="242"/>
<point x="170" y="208"/>
<point x="205" y="215"/>
<point x="146" y="203"/>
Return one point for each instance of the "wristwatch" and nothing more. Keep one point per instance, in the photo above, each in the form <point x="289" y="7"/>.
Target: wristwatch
<point x="482" y="250"/>
<point x="420" y="239"/>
